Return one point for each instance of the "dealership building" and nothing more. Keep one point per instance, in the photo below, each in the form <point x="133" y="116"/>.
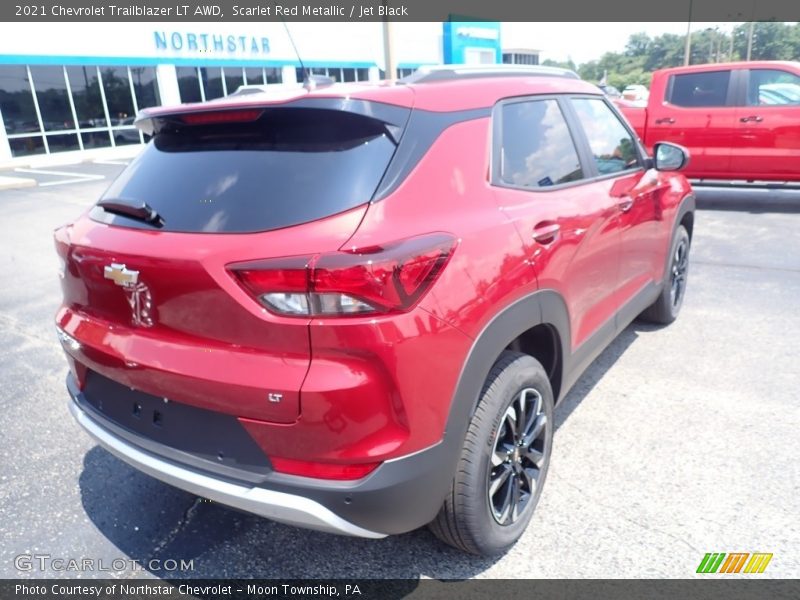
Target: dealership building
<point x="68" y="86"/>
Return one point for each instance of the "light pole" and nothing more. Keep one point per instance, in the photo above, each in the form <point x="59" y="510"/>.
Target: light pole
<point x="687" y="51"/>
<point x="730" y="48"/>
<point x="388" y="49"/>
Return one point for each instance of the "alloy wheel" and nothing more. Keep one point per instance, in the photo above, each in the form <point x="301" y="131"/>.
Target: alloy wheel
<point x="518" y="457"/>
<point x="680" y="268"/>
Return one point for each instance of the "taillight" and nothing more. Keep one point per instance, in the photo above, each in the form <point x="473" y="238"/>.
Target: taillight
<point x="322" y="470"/>
<point x="378" y="279"/>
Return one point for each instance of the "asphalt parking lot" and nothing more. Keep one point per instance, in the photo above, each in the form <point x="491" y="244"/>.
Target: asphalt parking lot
<point x="676" y="442"/>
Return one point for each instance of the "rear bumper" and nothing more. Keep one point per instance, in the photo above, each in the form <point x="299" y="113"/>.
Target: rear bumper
<point x="399" y="496"/>
<point x="278" y="506"/>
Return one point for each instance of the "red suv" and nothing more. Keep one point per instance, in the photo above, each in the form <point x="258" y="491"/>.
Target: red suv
<point x="353" y="307"/>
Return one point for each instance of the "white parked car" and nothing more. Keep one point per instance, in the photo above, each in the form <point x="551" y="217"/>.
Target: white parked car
<point x="636" y="93"/>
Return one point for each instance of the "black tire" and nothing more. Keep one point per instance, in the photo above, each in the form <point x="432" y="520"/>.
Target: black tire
<point x="668" y="304"/>
<point x="471" y="518"/>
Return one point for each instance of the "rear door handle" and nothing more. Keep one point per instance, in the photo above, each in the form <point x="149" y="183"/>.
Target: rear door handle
<point x="755" y="118"/>
<point x="667" y="120"/>
<point x="546" y="232"/>
<point x="625" y="204"/>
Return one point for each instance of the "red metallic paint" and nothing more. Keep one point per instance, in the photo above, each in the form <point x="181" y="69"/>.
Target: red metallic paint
<point x="364" y="389"/>
<point x="212" y="345"/>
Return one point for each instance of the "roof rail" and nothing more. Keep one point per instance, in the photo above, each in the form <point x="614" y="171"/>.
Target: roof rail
<point x="455" y="72"/>
<point x="252" y="88"/>
<point x="312" y="82"/>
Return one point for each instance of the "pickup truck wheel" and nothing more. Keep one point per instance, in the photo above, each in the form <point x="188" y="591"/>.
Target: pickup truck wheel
<point x="504" y="461"/>
<point x="666" y="308"/>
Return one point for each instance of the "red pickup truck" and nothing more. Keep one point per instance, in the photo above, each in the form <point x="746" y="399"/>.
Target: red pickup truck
<point x="740" y="121"/>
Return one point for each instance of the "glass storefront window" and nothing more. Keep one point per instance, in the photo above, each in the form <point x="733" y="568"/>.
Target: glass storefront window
<point x="188" y="84"/>
<point x="85" y="107"/>
<point x="24" y="146"/>
<point x="336" y="73"/>
<point x="63" y="142"/>
<point x="273" y="75"/>
<point x="233" y="79"/>
<point x="51" y="93"/>
<point x="96" y="139"/>
<point x="212" y="82"/>
<point x="254" y="76"/>
<point x="123" y="137"/>
<point x="145" y="86"/>
<point x="86" y="96"/>
<point x="117" y="88"/>
<point x="16" y="101"/>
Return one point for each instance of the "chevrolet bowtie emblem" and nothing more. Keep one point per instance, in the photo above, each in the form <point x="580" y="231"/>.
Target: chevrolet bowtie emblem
<point x="136" y="292"/>
<point x="121" y="275"/>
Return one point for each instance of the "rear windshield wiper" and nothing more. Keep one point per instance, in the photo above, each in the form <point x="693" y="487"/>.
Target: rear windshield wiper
<point x="142" y="212"/>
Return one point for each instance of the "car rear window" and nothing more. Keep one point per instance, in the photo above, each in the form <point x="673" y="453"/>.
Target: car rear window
<point x="290" y="166"/>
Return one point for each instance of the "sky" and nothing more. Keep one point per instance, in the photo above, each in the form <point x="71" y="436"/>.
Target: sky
<point x="584" y="42"/>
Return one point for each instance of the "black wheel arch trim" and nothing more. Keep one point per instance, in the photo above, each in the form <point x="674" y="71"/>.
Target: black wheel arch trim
<point x="542" y="307"/>
<point x="687" y="205"/>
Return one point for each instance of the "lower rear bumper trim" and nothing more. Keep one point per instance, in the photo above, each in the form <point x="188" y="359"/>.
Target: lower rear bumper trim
<point x="278" y="506"/>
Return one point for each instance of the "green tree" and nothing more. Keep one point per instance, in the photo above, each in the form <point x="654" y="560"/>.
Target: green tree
<point x="771" y="41"/>
<point x="568" y="64"/>
<point x="639" y="44"/>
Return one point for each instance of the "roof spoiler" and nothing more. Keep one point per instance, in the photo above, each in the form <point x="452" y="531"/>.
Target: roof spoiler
<point x="247" y="109"/>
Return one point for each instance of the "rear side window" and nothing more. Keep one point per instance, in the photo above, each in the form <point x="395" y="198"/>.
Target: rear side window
<point x="536" y="147"/>
<point x="291" y="166"/>
<point x="613" y="148"/>
<point x="770" y="87"/>
<point x="700" y="89"/>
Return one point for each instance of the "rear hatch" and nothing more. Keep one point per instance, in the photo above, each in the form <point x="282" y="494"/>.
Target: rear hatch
<point x="148" y="291"/>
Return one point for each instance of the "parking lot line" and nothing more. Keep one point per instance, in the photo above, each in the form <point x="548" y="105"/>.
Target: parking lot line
<point x="74" y="177"/>
<point x="110" y="162"/>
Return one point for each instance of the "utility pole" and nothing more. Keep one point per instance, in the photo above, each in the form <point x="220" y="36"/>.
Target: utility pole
<point x="750" y="39"/>
<point x="711" y="45"/>
<point x="388" y="49"/>
<point x="730" y="48"/>
<point x="687" y="51"/>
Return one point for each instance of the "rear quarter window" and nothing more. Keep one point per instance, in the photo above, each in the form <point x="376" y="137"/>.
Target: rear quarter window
<point x="536" y="148"/>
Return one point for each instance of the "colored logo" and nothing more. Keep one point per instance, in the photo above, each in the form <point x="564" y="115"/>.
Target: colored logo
<point x="737" y="562"/>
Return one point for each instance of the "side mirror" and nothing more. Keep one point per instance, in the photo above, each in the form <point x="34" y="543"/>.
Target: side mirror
<point x="669" y="157"/>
